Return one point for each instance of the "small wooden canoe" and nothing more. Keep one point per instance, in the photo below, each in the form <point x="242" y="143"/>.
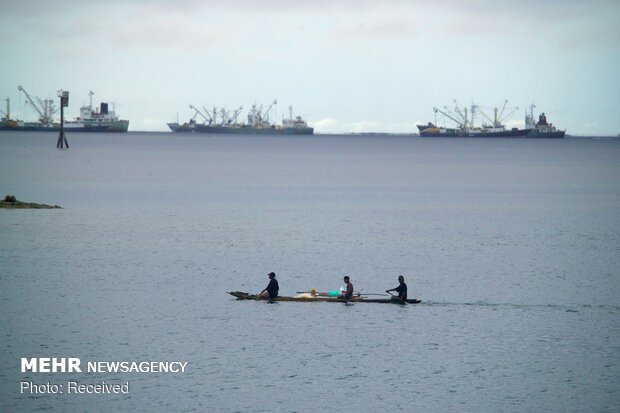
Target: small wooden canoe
<point x="306" y="298"/>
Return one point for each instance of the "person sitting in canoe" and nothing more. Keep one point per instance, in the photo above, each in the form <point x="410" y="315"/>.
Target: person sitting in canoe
<point x="272" y="288"/>
<point x="401" y="290"/>
<point x="348" y="292"/>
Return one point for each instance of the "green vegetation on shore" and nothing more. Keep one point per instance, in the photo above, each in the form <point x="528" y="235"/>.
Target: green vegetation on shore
<point x="10" y="202"/>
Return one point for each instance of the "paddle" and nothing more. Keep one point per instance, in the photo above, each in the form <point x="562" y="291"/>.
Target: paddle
<point x="360" y="293"/>
<point x="398" y="300"/>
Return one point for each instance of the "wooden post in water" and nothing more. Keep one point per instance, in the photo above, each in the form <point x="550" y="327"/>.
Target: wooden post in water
<point x="64" y="102"/>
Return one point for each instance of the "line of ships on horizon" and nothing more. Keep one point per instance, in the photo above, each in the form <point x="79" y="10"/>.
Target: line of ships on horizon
<point x="224" y="121"/>
<point x="100" y="119"/>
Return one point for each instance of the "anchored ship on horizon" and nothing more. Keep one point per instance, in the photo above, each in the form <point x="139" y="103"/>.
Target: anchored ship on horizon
<point x="224" y="121"/>
<point x="491" y="127"/>
<point x="100" y="119"/>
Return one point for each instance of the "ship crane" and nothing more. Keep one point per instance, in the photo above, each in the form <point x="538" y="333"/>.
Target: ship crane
<point x="530" y="123"/>
<point x="224" y="115"/>
<point x="495" y="122"/>
<point x="198" y="112"/>
<point x="212" y="116"/>
<point x="458" y="110"/>
<point x="448" y="115"/>
<point x="499" y="118"/>
<point x="456" y="115"/>
<point x="266" y="117"/>
<point x="235" y="114"/>
<point x="252" y="115"/>
<point x="500" y="113"/>
<point x="8" y="109"/>
<point x="45" y="108"/>
<point x="502" y="119"/>
<point x="474" y="109"/>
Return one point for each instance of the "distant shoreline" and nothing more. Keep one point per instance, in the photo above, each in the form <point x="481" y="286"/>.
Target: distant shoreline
<point x="9" y="202"/>
<point x="351" y="134"/>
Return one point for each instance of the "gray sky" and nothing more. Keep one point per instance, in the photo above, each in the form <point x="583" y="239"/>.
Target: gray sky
<point x="345" y="65"/>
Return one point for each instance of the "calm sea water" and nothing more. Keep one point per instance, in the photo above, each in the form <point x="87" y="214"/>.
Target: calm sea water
<point x="513" y="246"/>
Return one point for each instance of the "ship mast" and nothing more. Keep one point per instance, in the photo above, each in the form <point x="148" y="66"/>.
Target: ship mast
<point x="90" y="95"/>
<point x="530" y="123"/>
<point x="498" y="116"/>
<point x="8" y="109"/>
<point x="494" y="121"/>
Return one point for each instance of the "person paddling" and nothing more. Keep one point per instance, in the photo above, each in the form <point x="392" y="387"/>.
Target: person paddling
<point x="272" y="289"/>
<point x="401" y="290"/>
<point x="348" y="292"/>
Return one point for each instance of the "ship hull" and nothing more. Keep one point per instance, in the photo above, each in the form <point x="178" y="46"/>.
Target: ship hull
<point x="116" y="127"/>
<point x="175" y="127"/>
<point x="535" y="133"/>
<point x="249" y="130"/>
<point x="425" y="131"/>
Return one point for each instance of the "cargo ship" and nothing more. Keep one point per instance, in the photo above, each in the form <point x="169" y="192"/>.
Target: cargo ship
<point x="223" y="121"/>
<point x="98" y="120"/>
<point x="491" y="127"/>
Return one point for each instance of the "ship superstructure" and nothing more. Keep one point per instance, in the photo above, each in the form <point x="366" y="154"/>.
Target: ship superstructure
<point x="541" y="129"/>
<point x="100" y="119"/>
<point x="295" y="125"/>
<point x="5" y="120"/>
